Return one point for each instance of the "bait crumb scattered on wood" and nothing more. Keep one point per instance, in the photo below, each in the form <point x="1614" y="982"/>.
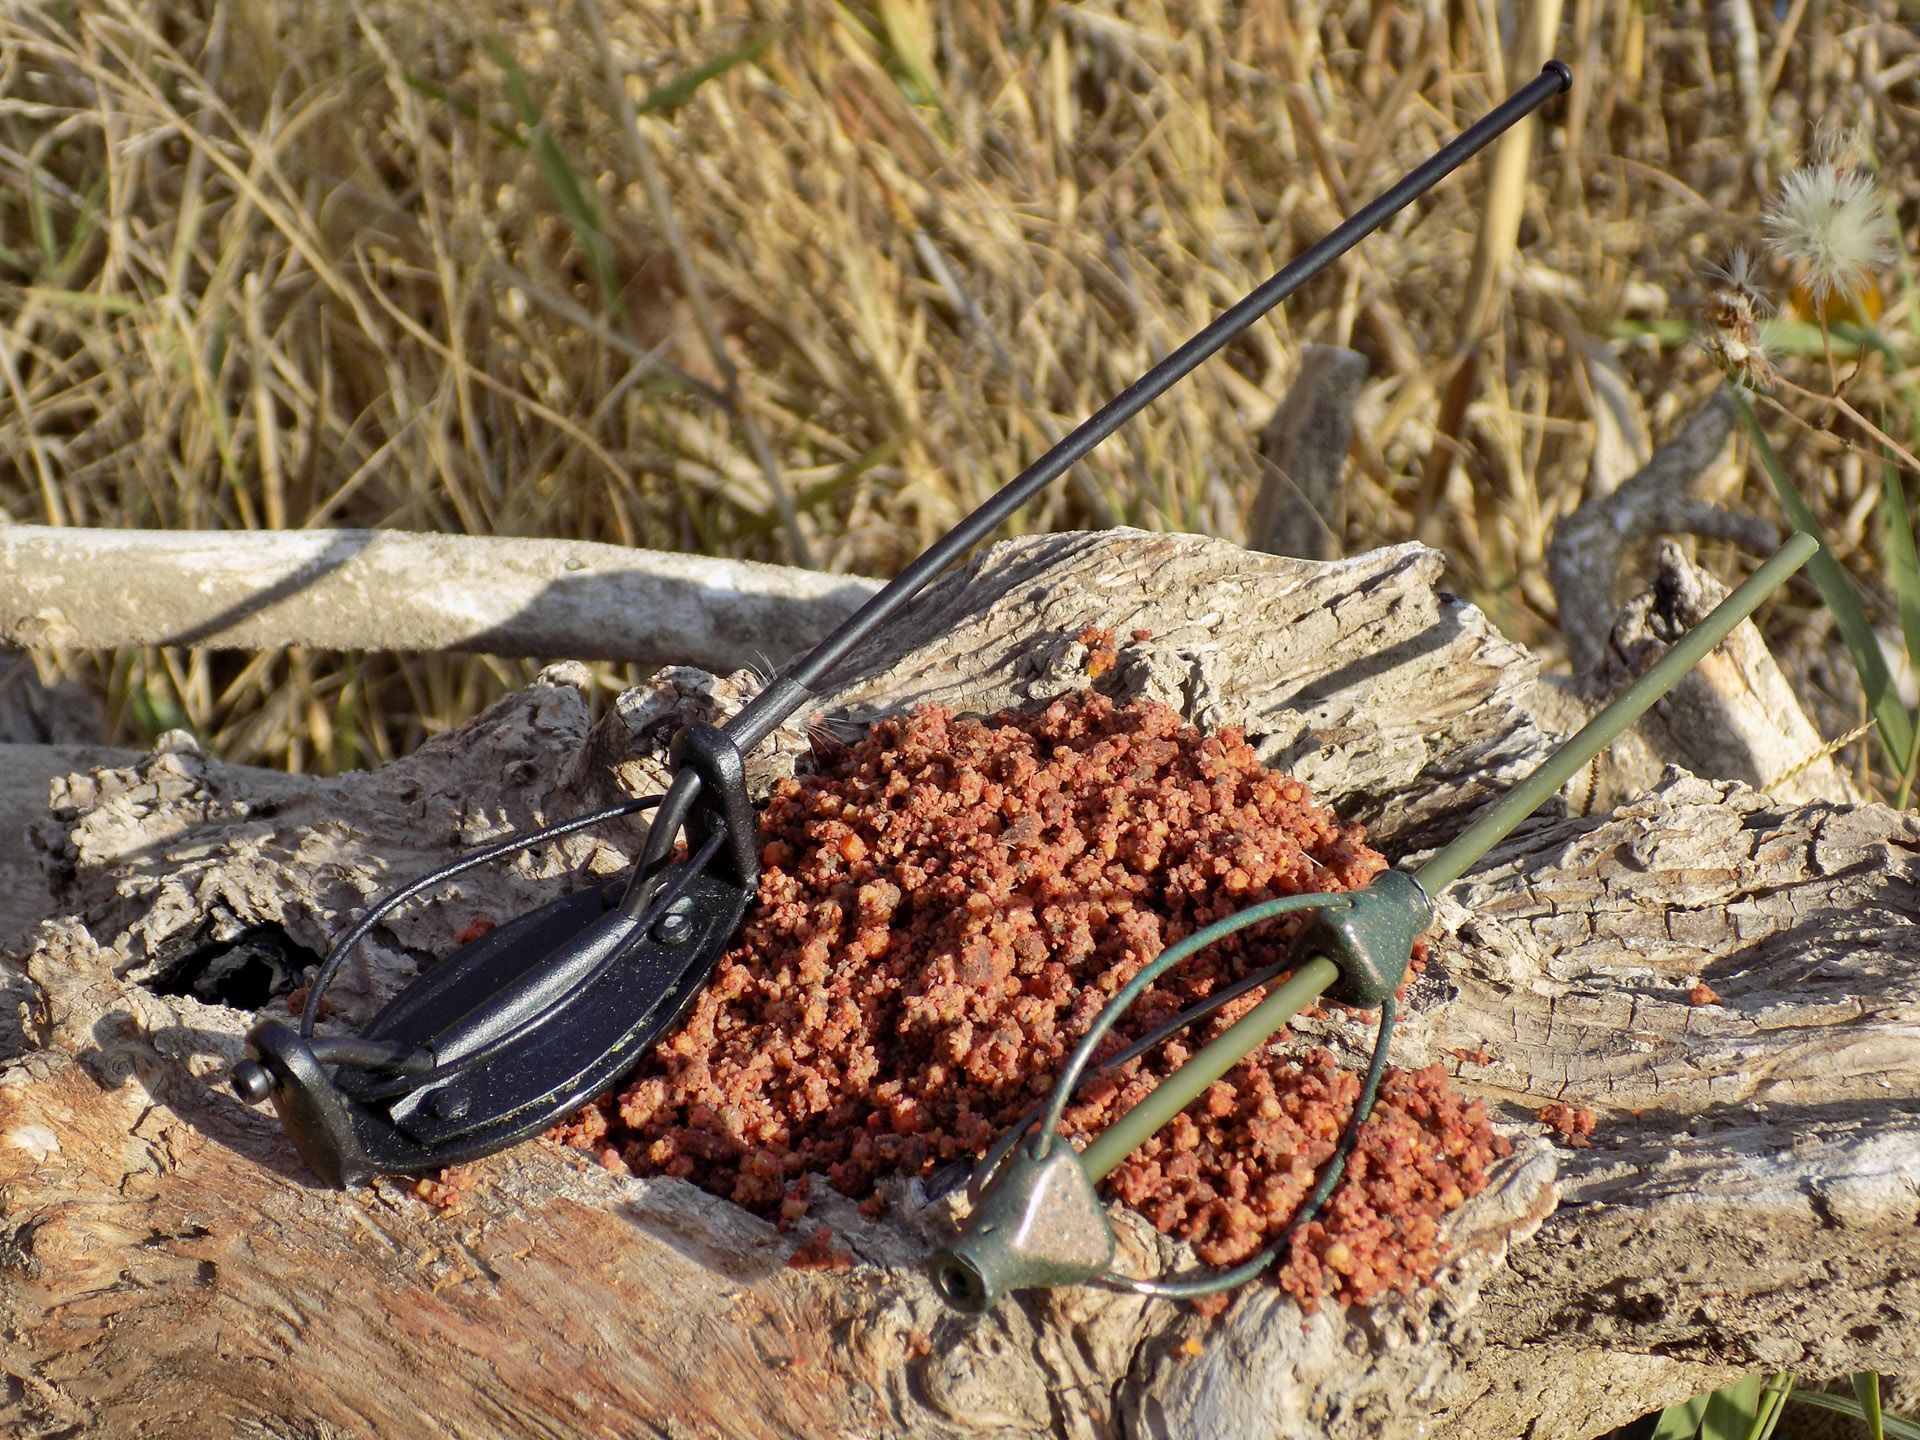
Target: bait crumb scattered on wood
<point x="448" y="1189"/>
<point x="1102" y="653"/>
<point x="1573" y="1124"/>
<point x="821" y="1250"/>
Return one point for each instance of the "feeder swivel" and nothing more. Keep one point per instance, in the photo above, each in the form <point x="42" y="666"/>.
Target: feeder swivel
<point x="1371" y="940"/>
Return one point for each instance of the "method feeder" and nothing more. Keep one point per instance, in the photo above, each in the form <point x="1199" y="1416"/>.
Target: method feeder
<point x="524" y="1025"/>
<point x="1037" y="1221"/>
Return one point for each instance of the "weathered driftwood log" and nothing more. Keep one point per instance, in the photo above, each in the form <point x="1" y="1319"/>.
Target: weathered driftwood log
<point x="390" y="590"/>
<point x="1749" y="1199"/>
<point x="42" y="735"/>
<point x="1736" y="717"/>
<point x="28" y="773"/>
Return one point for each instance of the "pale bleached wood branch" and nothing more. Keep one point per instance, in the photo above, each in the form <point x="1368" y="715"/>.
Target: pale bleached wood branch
<point x="1584" y="555"/>
<point x="1303" y="450"/>
<point x="1735" y="717"/>
<point x="392" y="590"/>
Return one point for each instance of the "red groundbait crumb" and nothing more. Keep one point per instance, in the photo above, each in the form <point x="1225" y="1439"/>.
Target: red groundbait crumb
<point x="946" y="907"/>
<point x="447" y="1190"/>
<point x="1572" y="1125"/>
<point x="822" y="1251"/>
<point x="1702" y="994"/>
<point x="1102" y="655"/>
<point x="473" y="930"/>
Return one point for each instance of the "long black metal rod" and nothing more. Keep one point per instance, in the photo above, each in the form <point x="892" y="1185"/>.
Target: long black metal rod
<point x="788" y="692"/>
<point x="772" y="706"/>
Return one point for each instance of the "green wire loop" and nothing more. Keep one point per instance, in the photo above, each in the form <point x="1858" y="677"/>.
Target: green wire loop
<point x="1082" y="1056"/>
<point x="1198" y="1287"/>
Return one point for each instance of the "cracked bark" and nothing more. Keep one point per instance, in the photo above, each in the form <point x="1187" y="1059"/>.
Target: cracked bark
<point x="1749" y="1201"/>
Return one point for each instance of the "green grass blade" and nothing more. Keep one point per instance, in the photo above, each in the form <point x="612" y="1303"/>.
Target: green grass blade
<point x="667" y="98"/>
<point x="1892" y="1426"/>
<point x="1681" y="1422"/>
<point x="1902" y="562"/>
<point x="86" y="225"/>
<point x="1773" y="1405"/>
<point x="1799" y="338"/>
<point x="901" y="32"/>
<point x="40" y="214"/>
<point x="1802" y="338"/>
<point x="462" y="106"/>
<point x="433" y="90"/>
<point x="1732" y="1410"/>
<point x="574" y="199"/>
<point x="824" y="492"/>
<point x="1866" y="1389"/>
<point x="1904" y="268"/>
<point x="84" y="301"/>
<point x="1891" y="721"/>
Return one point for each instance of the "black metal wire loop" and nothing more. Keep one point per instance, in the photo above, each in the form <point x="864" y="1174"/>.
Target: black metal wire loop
<point x="330" y="967"/>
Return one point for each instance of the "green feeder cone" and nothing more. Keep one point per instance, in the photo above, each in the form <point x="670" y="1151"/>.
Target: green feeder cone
<point x="1371" y="941"/>
<point x="1040" y="1223"/>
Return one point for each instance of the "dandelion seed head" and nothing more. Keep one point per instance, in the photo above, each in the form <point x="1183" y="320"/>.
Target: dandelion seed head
<point x="1740" y="274"/>
<point x="1731" y="337"/>
<point x="1834" y="225"/>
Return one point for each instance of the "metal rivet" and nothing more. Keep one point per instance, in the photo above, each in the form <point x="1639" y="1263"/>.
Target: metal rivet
<point x="251" y="1082"/>
<point x="676" y="926"/>
<point x="450" y="1104"/>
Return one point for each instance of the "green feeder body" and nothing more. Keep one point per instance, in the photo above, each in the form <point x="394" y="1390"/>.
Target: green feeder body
<point x="1041" y="1222"/>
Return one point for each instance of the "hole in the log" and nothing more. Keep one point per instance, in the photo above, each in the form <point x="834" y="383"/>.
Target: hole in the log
<point x="244" y="972"/>
<point x="1644" y="1308"/>
<point x="1432" y="987"/>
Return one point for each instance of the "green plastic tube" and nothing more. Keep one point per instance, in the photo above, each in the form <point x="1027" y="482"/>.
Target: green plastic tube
<point x="1190" y="1081"/>
<point x="1601" y="731"/>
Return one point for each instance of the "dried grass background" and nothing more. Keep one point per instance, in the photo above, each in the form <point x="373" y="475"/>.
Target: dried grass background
<point x="360" y="262"/>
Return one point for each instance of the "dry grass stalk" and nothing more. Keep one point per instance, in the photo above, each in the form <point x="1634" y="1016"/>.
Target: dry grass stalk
<point x="269" y="264"/>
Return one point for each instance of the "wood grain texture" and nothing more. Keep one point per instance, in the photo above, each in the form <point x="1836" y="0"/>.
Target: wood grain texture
<point x="166" y="1268"/>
